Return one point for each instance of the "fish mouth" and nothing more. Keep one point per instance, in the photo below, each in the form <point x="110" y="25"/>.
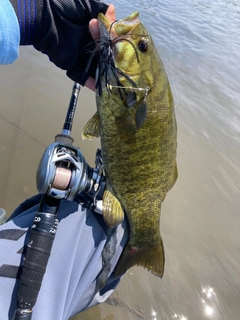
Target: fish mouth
<point x="110" y="34"/>
<point x="121" y="27"/>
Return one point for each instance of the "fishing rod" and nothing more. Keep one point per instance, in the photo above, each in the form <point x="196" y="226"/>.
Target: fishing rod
<point x="63" y="173"/>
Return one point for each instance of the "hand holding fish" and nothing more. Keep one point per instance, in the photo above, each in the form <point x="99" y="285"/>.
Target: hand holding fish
<point x="94" y="25"/>
<point x="95" y="32"/>
<point x="60" y="29"/>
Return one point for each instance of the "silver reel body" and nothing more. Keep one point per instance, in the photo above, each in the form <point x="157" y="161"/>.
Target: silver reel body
<point x="63" y="172"/>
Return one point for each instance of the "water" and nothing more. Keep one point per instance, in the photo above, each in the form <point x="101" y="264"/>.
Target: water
<point x="198" y="42"/>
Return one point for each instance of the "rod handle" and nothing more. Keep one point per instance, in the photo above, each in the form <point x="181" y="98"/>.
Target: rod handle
<point x="36" y="258"/>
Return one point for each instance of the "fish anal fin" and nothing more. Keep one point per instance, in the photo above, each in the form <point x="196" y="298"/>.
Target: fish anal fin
<point x="113" y="213"/>
<point x="92" y="128"/>
<point x="151" y="258"/>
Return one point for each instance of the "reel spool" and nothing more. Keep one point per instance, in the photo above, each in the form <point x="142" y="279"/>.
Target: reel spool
<point x="62" y="178"/>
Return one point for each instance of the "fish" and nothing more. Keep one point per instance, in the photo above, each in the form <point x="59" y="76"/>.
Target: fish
<point x="136" y="123"/>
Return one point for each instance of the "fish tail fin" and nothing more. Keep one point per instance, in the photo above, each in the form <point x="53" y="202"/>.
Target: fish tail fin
<point x="151" y="258"/>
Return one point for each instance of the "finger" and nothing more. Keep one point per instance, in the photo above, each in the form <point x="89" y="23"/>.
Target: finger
<point x="94" y="28"/>
<point x="90" y="84"/>
<point x="111" y="13"/>
<point x="93" y="24"/>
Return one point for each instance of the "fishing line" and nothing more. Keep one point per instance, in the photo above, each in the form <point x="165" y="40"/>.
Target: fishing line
<point x="171" y="59"/>
<point x="22" y="131"/>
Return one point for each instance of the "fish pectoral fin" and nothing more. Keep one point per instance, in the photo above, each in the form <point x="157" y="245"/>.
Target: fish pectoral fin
<point x="141" y="115"/>
<point x="92" y="128"/>
<point x="113" y="213"/>
<point x="151" y="258"/>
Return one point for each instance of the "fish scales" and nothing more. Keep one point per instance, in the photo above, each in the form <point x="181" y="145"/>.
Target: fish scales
<point x="139" y="161"/>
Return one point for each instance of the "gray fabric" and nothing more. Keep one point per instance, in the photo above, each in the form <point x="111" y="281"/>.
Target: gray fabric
<point x="69" y="283"/>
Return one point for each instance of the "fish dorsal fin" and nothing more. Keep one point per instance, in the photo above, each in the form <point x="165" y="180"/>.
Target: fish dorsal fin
<point x="92" y="128"/>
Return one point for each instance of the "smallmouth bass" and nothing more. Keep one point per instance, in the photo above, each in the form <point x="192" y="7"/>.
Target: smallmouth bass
<point x="136" y="123"/>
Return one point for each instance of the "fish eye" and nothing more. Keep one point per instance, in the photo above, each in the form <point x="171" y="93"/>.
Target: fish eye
<point x="142" y="46"/>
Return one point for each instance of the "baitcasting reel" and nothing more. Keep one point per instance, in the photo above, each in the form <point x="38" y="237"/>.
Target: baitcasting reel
<point x="63" y="172"/>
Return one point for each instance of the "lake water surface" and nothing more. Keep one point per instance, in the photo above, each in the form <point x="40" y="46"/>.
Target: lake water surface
<point x="198" y="42"/>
